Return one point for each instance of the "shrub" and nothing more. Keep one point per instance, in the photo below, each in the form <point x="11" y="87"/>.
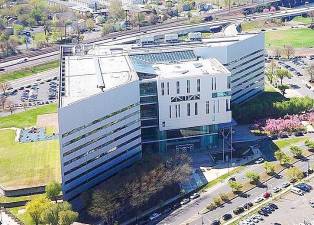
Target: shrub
<point x="211" y="207"/>
<point x="217" y="201"/>
<point x="224" y="197"/>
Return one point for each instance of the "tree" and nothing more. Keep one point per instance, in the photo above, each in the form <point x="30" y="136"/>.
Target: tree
<point x="115" y="10"/>
<point x="310" y="71"/>
<point x="52" y="190"/>
<point x="107" y="28"/>
<point x="269" y="167"/>
<point x="253" y="177"/>
<point x="294" y="174"/>
<point x="3" y="100"/>
<point x="235" y="186"/>
<point x="309" y="144"/>
<point x="217" y="201"/>
<point x="55" y="214"/>
<point x="67" y="217"/>
<point x="281" y="74"/>
<point x="282" y="88"/>
<point x="4" y="87"/>
<point x="296" y="151"/>
<point x="90" y="24"/>
<point x="36" y="207"/>
<point x="288" y="51"/>
<point x="277" y="52"/>
<point x="270" y="76"/>
<point x="286" y="160"/>
<point x="224" y="197"/>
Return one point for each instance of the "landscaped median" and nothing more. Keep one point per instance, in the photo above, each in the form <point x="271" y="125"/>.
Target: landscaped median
<point x="29" y="71"/>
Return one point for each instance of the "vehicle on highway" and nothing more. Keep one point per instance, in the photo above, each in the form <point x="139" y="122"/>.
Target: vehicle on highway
<point x="2" y="69"/>
<point x="227" y="216"/>
<point x="215" y="222"/>
<point x="285" y="185"/>
<point x="195" y="195"/>
<point x="154" y="216"/>
<point x="185" y="201"/>
<point x="260" y="160"/>
<point x="22" y="60"/>
<point x="297" y="191"/>
<point x="258" y="199"/>
<point x="276" y="189"/>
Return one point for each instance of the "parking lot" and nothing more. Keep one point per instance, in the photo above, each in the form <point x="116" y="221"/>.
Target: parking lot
<point x="43" y="91"/>
<point x="299" y="82"/>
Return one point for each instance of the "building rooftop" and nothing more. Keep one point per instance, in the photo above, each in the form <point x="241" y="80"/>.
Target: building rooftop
<point x="202" y="67"/>
<point x="89" y="75"/>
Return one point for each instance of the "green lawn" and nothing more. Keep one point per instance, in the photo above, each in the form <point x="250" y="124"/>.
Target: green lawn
<point x="283" y="143"/>
<point x="26" y="164"/>
<point x="28" y="71"/>
<point x="301" y="19"/>
<point x="298" y="38"/>
<point x="27" y="118"/>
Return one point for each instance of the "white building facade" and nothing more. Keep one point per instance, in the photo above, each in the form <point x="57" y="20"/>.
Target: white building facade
<point x="117" y="103"/>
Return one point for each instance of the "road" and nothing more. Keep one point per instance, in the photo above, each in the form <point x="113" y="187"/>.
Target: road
<point x="132" y="35"/>
<point x="189" y="213"/>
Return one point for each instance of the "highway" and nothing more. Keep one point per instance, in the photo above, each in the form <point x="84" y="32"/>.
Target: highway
<point x="132" y="35"/>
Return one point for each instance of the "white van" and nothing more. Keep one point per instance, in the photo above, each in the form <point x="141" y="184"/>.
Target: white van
<point x="297" y="191"/>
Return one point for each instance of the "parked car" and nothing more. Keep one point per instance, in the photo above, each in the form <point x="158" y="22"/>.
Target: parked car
<point x="262" y="213"/>
<point x="259" y="199"/>
<point x="185" y="201"/>
<point x="285" y="185"/>
<point x="247" y="205"/>
<point x="238" y="210"/>
<point x="227" y="216"/>
<point x="266" y="194"/>
<point x="215" y="222"/>
<point x="276" y="189"/>
<point x="195" y="195"/>
<point x="311" y="203"/>
<point x="231" y="179"/>
<point x="303" y="187"/>
<point x="273" y="206"/>
<point x="154" y="216"/>
<point x="297" y="191"/>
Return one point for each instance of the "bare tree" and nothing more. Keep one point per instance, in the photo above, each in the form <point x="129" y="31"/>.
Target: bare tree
<point x="10" y="105"/>
<point x="288" y="51"/>
<point x="4" y="87"/>
<point x="277" y="52"/>
<point x="3" y="100"/>
<point x="310" y="71"/>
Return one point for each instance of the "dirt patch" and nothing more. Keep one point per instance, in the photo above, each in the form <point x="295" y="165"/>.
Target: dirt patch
<point x="48" y="120"/>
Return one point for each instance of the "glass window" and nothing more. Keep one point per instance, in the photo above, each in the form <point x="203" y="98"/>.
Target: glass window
<point x="169" y="111"/>
<point x="188" y="86"/>
<point x="196" y="110"/>
<point x="162" y="88"/>
<point x="176" y="110"/>
<point x="229" y="82"/>
<point x="207" y="107"/>
<point x="179" y="109"/>
<point x="168" y="89"/>
<point x="198" y="85"/>
<point x="188" y="109"/>
<point x="214" y="106"/>
<point x="227" y="105"/>
<point x="148" y="88"/>
<point x="178" y="87"/>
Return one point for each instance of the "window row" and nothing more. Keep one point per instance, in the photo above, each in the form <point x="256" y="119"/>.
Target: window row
<point x="99" y="120"/>
<point x="99" y="128"/>
<point x="99" y="138"/>
<point x="100" y="146"/>
<point x="178" y="90"/>
<point x="100" y="173"/>
<point x="98" y="157"/>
